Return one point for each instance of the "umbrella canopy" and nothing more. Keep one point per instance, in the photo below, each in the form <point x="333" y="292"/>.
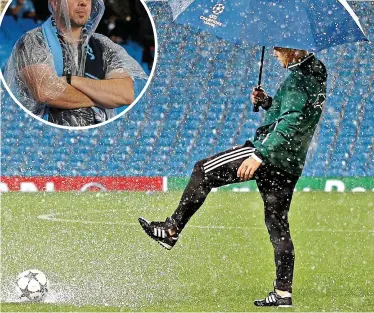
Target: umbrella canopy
<point x="311" y="25"/>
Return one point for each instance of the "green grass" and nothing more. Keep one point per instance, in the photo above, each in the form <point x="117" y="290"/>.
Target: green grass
<point x="98" y="259"/>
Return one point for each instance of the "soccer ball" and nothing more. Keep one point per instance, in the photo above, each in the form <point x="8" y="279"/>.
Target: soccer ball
<point x="32" y="285"/>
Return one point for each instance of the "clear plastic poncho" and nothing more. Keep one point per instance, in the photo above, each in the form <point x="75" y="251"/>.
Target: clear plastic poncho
<point x="42" y="56"/>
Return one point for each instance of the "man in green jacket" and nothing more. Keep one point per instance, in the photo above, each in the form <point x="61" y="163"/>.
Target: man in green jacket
<point x="275" y="159"/>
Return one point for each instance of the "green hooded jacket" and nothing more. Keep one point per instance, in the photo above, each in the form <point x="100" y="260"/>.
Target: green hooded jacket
<point x="284" y="137"/>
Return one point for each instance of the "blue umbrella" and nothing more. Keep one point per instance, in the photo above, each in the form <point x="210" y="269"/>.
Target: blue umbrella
<point x="311" y="25"/>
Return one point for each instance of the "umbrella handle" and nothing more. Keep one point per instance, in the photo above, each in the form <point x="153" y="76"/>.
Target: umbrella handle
<point x="261" y="66"/>
<point x="256" y="107"/>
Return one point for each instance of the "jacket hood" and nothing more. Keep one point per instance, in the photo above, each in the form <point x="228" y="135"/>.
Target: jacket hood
<point x="310" y="65"/>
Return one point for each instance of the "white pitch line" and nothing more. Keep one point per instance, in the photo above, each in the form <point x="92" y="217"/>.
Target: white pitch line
<point x="52" y="218"/>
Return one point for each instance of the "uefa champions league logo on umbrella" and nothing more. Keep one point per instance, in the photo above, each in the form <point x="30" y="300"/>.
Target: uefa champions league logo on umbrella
<point x="218" y="9"/>
<point x="212" y="20"/>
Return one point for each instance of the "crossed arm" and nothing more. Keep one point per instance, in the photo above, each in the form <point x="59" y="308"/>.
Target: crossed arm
<point x="46" y="87"/>
<point x="108" y="93"/>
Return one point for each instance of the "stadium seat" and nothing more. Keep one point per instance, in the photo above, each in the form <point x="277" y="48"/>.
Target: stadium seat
<point x="198" y="104"/>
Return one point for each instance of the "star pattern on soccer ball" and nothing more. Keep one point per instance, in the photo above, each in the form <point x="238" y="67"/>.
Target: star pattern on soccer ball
<point x="25" y="293"/>
<point x="218" y="8"/>
<point x="31" y="275"/>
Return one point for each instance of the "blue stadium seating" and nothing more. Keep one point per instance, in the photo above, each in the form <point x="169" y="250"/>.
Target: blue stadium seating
<point x="198" y="104"/>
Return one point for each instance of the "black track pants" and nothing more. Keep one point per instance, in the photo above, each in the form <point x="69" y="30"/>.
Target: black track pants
<point x="276" y="189"/>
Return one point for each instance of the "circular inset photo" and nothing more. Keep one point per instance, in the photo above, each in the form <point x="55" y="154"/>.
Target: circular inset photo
<point x="77" y="63"/>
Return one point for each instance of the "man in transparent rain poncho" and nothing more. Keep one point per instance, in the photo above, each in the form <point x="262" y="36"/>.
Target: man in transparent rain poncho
<point x="65" y="73"/>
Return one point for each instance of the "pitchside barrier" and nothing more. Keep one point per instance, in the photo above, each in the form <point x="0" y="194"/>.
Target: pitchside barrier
<point x="52" y="184"/>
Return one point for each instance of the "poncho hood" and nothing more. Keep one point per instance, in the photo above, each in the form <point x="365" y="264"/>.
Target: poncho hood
<point x="61" y="13"/>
